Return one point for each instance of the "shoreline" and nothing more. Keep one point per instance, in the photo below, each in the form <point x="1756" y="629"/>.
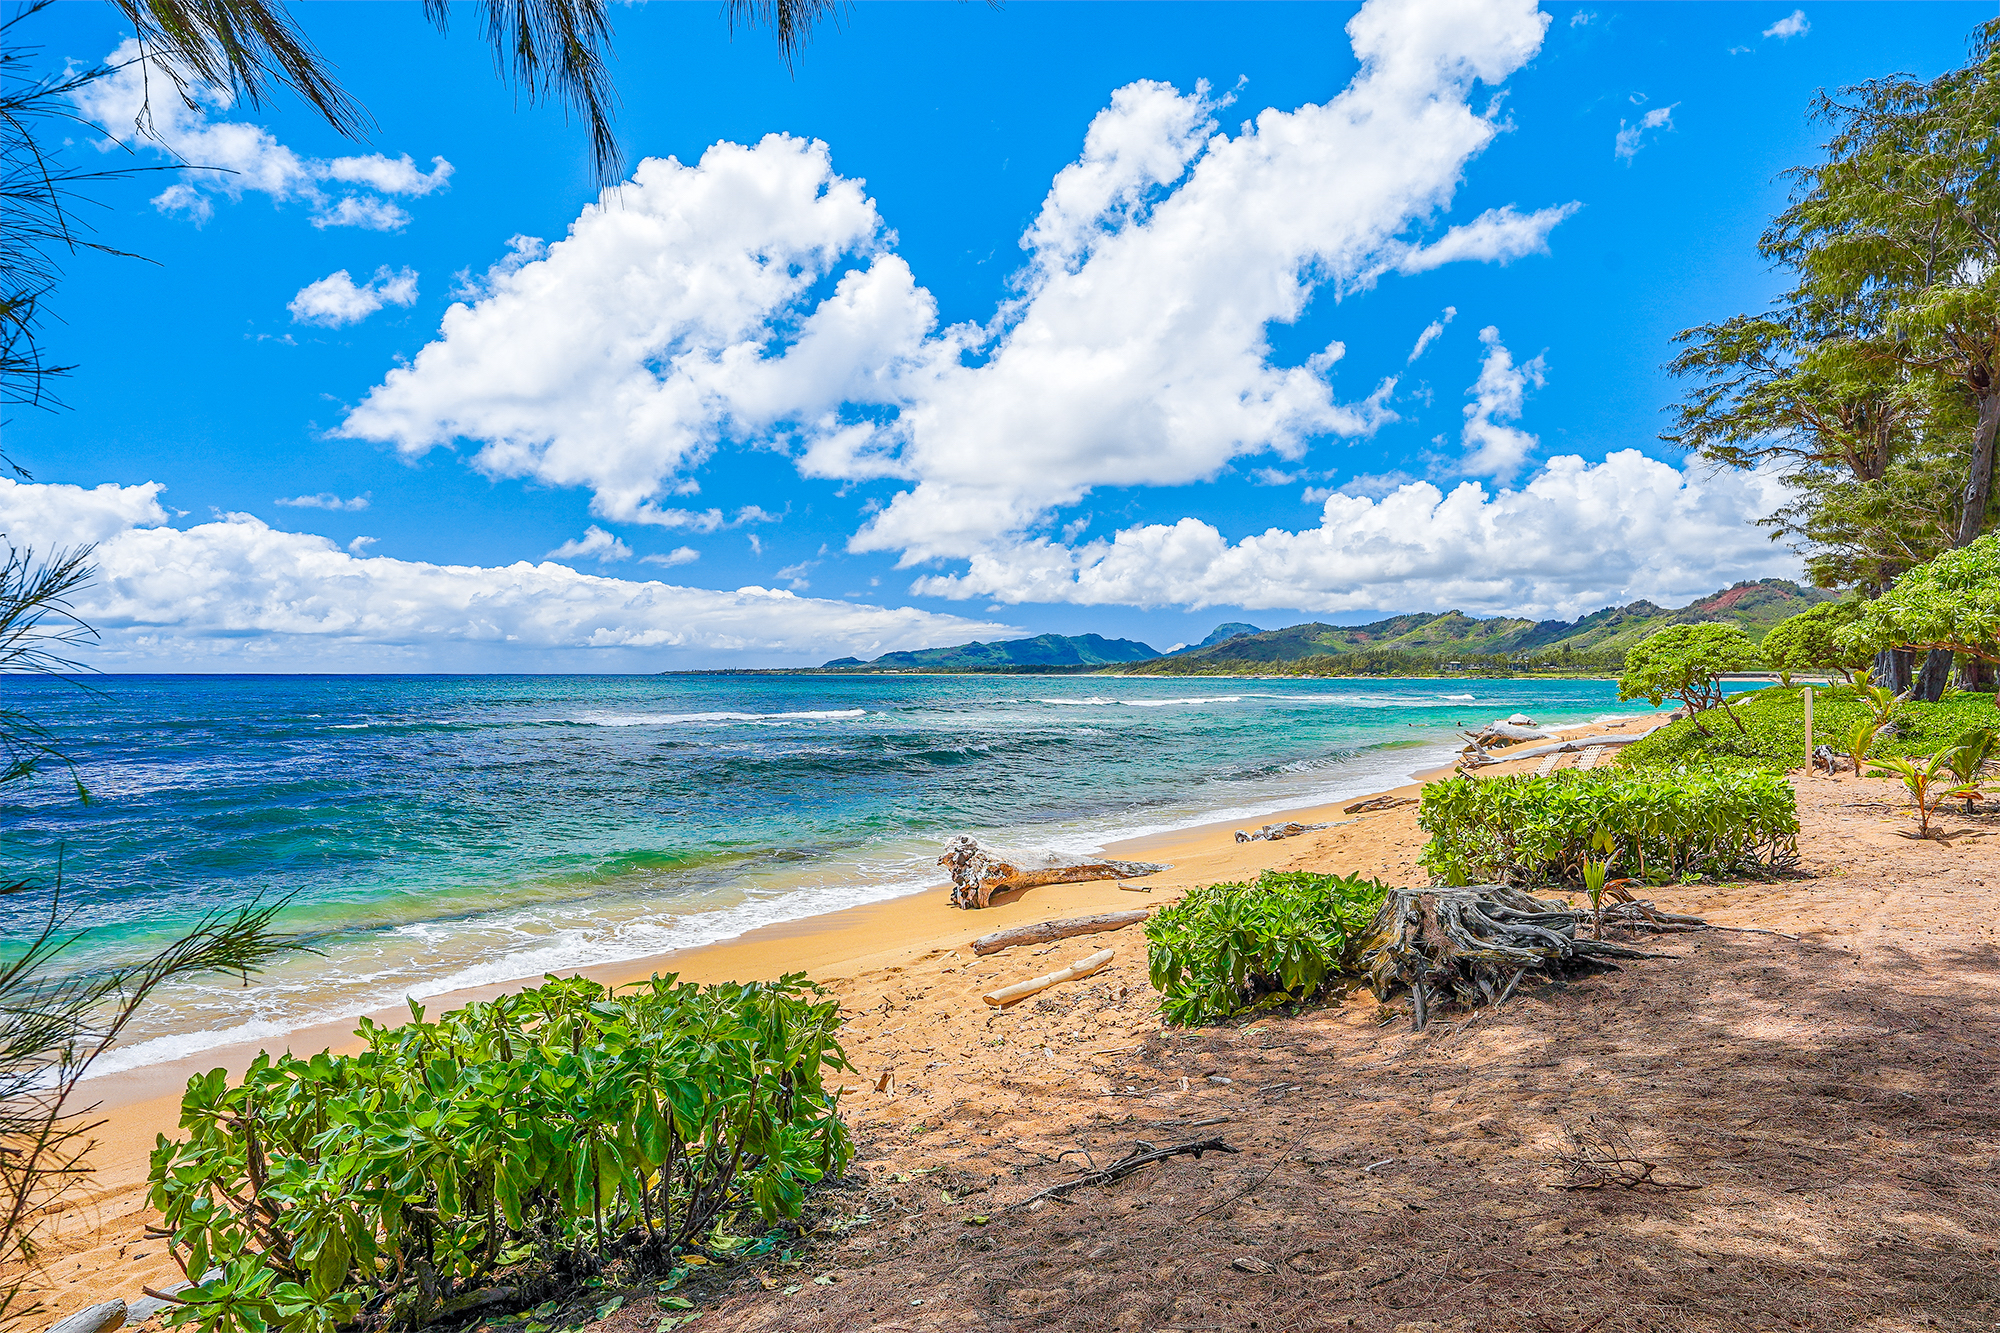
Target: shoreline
<point x="844" y="941"/>
<point x="132" y="1107"/>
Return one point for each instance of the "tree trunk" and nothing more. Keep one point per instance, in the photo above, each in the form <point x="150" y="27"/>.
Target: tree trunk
<point x="1979" y="486"/>
<point x="1936" y="674"/>
<point x="1893" y="667"/>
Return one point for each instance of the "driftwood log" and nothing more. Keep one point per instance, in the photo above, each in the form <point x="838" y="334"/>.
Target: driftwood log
<point x="1377" y="803"/>
<point x="1277" y="832"/>
<point x="978" y="871"/>
<point x="1021" y="990"/>
<point x="1475" y="944"/>
<point x="1045" y="931"/>
<point x="1475" y="756"/>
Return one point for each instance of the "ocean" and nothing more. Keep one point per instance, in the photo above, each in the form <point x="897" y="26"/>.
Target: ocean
<point x="437" y="832"/>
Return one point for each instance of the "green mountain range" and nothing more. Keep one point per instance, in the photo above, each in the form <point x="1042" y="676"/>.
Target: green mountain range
<point x="1755" y="606"/>
<point x="1044" y="650"/>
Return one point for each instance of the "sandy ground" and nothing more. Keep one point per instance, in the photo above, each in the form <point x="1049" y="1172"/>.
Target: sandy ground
<point x="1831" y="1100"/>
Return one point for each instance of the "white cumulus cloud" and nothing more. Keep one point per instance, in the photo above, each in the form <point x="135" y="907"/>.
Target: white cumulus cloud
<point x="595" y="544"/>
<point x="1632" y="134"/>
<point x="237" y="594"/>
<point x="324" y="500"/>
<point x="337" y="299"/>
<point x="694" y="309"/>
<point x="1432" y="331"/>
<point x="680" y="555"/>
<point x="241" y="157"/>
<point x="1495" y="448"/>
<point x="1577" y="537"/>
<point x="1792" y="25"/>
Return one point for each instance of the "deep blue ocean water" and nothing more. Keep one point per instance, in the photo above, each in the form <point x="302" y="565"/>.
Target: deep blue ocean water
<point x="439" y="832"/>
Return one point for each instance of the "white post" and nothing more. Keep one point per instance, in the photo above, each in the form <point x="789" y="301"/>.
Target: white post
<point x="1809" y="744"/>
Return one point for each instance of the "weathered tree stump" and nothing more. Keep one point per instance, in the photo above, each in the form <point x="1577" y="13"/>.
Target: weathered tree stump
<point x="1475" y="944"/>
<point x="978" y="871"/>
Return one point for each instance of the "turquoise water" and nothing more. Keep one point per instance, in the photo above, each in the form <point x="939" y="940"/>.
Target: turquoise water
<point x="440" y="832"/>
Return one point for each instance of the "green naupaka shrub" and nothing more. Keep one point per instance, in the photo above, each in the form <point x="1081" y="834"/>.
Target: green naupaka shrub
<point x="1652" y="825"/>
<point x="566" y="1122"/>
<point x="1225" y="948"/>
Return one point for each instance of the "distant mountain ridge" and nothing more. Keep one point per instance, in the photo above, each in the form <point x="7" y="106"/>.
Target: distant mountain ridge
<point x="1755" y="606"/>
<point x="1067" y="650"/>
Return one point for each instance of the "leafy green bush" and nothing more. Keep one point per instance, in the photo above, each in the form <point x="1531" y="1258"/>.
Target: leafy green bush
<point x="1685" y="662"/>
<point x="1225" y="948"/>
<point x="1810" y="641"/>
<point x="1660" y="827"/>
<point x="1773" y="734"/>
<point x="564" y="1123"/>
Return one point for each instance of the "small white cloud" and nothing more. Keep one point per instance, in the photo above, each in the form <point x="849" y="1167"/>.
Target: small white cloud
<point x="358" y="210"/>
<point x="1792" y="25"/>
<point x="1497" y="236"/>
<point x="336" y="300"/>
<point x="680" y="555"/>
<point x="756" y="514"/>
<point x="1632" y="134"/>
<point x="795" y="575"/>
<point x="325" y="500"/>
<point x="360" y="545"/>
<point x="1431" y="332"/>
<point x="1582" y="18"/>
<point x="595" y="544"/>
<point x="1267" y="476"/>
<point x="756" y="544"/>
<point x="138" y="102"/>
<point x="1500" y="392"/>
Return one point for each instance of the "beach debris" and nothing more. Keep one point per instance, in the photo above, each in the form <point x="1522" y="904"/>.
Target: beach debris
<point x="1276" y="832"/>
<point x="1520" y="720"/>
<point x="1477" y="757"/>
<point x="1494" y="732"/>
<point x="1021" y="990"/>
<point x="1142" y="1154"/>
<point x="887" y="1082"/>
<point x="1476" y="943"/>
<point x="978" y="871"/>
<point x="1601" y="1153"/>
<point x="1045" y="931"/>
<point x="1250" y="1263"/>
<point x="1377" y="803"/>
<point x="96" y="1319"/>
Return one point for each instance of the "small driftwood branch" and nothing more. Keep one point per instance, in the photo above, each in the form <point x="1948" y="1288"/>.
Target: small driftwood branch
<point x="1044" y="932"/>
<point x="1021" y="990"/>
<point x="1377" y="803"/>
<point x="1278" y="832"/>
<point x="1142" y="1154"/>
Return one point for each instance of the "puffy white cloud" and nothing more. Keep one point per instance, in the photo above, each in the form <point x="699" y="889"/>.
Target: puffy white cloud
<point x="1792" y="25"/>
<point x="324" y="500"/>
<point x="336" y="299"/>
<point x="240" y="157"/>
<point x="1577" y="537"/>
<point x="238" y="594"/>
<point x="755" y="295"/>
<point x="1498" y="395"/>
<point x="595" y="544"/>
<point x="1632" y="134"/>
<point x="1432" y="331"/>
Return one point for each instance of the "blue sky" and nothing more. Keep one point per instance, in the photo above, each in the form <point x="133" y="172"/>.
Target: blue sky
<point x="836" y="373"/>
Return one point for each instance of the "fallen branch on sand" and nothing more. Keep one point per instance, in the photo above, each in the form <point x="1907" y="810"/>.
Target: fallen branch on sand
<point x="1476" y="943"/>
<point x="1142" y="1154"/>
<point x="978" y="871"/>
<point x="1045" y="931"/>
<point x="1603" y="1154"/>
<point x="1021" y="990"/>
<point x="1377" y="803"/>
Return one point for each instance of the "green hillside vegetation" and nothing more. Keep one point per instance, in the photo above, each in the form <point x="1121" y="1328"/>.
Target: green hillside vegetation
<point x="1422" y="640"/>
<point x="1044" y="650"/>
<point x="1773" y="733"/>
